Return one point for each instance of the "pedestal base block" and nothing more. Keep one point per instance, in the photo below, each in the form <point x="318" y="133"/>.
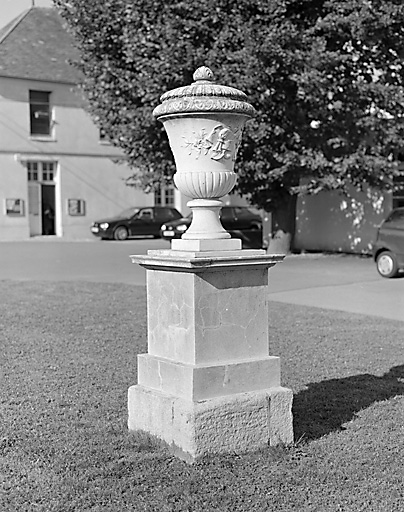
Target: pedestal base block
<point x="200" y="382"/>
<point x="231" y="424"/>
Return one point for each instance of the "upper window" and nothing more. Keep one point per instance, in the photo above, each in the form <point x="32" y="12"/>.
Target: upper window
<point x="40" y="112"/>
<point x="396" y="218"/>
<point x="164" y="196"/>
<point x="398" y="194"/>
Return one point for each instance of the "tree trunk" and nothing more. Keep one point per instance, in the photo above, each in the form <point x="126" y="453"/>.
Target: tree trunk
<point x="283" y="226"/>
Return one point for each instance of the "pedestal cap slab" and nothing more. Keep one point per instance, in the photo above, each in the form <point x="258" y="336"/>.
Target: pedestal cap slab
<point x="184" y="261"/>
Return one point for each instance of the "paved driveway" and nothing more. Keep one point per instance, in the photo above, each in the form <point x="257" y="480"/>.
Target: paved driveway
<point x="341" y="282"/>
<point x="347" y="283"/>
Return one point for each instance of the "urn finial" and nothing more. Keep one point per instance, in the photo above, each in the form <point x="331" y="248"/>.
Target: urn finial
<point x="203" y="73"/>
<point x="203" y="95"/>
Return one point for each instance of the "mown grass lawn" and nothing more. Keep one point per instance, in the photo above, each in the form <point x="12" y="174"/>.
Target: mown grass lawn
<point x="68" y="356"/>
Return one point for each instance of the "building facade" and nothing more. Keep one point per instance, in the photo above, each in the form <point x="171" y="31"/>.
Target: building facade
<point x="57" y="173"/>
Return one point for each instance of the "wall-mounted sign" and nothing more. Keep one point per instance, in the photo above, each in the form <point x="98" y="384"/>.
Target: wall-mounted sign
<point x="15" y="207"/>
<point x="76" y="207"/>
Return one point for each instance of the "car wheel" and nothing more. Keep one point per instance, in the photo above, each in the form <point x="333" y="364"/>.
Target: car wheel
<point x="254" y="227"/>
<point x="386" y="264"/>
<point x="121" y="233"/>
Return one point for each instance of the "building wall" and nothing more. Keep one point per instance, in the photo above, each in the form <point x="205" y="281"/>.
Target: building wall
<point x="86" y="168"/>
<point x="73" y="130"/>
<point x="13" y="186"/>
<point x="334" y="222"/>
<point x="100" y="183"/>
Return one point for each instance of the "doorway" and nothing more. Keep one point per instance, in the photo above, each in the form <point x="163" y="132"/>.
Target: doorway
<point x="48" y="209"/>
<point x="41" y="198"/>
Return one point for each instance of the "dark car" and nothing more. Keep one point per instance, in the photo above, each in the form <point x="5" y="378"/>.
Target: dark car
<point x="134" y="222"/>
<point x="240" y="221"/>
<point x="388" y="250"/>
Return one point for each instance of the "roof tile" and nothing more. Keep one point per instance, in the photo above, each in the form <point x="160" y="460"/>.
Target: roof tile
<point x="37" y="46"/>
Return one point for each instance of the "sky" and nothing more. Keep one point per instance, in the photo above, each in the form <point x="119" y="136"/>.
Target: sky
<point x="9" y="9"/>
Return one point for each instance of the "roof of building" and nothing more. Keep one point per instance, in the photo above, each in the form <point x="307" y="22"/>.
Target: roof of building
<point x="37" y="46"/>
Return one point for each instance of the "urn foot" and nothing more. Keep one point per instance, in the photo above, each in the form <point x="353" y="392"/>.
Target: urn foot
<point x="206" y="223"/>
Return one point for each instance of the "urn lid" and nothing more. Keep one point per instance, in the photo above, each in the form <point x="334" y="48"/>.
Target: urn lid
<point x="204" y="95"/>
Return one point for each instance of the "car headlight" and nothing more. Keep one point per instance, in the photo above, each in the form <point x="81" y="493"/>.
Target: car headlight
<point x="104" y="225"/>
<point x="163" y="227"/>
<point x="182" y="227"/>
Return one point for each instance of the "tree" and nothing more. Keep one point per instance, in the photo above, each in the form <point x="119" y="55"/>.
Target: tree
<point x="325" y="76"/>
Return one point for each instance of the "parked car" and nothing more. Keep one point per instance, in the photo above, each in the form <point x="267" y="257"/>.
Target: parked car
<point x="134" y="222"/>
<point x="240" y="221"/>
<point x="388" y="249"/>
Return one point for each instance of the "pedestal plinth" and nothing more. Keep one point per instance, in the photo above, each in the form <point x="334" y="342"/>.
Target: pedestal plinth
<point x="208" y="383"/>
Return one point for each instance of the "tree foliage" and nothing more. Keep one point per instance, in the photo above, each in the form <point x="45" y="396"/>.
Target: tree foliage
<point x="325" y="76"/>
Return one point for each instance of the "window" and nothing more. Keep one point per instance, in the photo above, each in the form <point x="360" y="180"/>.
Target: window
<point x="398" y="201"/>
<point x="146" y="214"/>
<point x="398" y="194"/>
<point x="169" y="196"/>
<point x="41" y="171"/>
<point x="40" y="112"/>
<point x="165" y="214"/>
<point x="47" y="171"/>
<point x="164" y="197"/>
<point x="157" y="197"/>
<point x="396" y="217"/>
<point x="227" y="213"/>
<point x="32" y="168"/>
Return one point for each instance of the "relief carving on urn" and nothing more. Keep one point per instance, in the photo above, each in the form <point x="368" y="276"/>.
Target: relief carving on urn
<point x="219" y="143"/>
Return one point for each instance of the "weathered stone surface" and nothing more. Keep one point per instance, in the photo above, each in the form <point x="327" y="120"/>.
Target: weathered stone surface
<point x="208" y="318"/>
<point x="208" y="383"/>
<point x="237" y="423"/>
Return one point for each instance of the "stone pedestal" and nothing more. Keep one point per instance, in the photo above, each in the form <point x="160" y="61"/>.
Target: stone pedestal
<point x="208" y="383"/>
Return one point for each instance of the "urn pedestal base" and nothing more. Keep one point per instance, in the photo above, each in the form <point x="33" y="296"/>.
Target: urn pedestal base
<point x="224" y="244"/>
<point x="236" y="423"/>
<point x="209" y="383"/>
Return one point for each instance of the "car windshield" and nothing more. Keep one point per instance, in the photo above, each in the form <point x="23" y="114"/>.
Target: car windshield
<point x="396" y="216"/>
<point x="129" y="212"/>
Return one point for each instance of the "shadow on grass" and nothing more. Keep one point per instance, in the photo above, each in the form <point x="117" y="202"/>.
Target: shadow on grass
<point x="325" y="406"/>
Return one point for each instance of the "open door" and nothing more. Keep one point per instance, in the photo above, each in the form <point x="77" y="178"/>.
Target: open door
<point x="48" y="209"/>
<point x="34" y="208"/>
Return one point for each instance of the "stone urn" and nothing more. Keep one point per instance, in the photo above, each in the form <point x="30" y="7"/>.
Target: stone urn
<point x="204" y="123"/>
